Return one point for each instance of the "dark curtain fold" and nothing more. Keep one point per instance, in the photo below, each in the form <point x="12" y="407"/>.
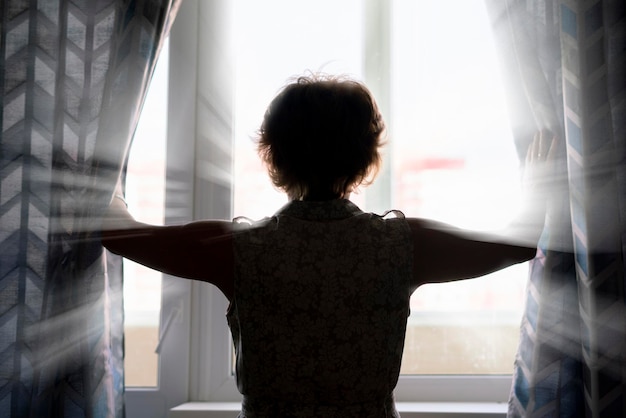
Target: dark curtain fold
<point x="564" y="63"/>
<point x="73" y="79"/>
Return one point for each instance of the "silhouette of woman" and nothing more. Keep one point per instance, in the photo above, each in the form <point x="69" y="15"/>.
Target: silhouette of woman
<point x="319" y="292"/>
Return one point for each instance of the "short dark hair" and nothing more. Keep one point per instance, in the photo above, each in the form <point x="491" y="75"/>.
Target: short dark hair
<point x="321" y="134"/>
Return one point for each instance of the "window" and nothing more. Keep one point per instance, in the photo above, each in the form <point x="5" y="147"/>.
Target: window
<point x="448" y="144"/>
<point x="450" y="155"/>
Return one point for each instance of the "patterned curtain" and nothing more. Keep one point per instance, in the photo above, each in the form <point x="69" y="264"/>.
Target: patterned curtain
<point x="564" y="63"/>
<point x="73" y="77"/>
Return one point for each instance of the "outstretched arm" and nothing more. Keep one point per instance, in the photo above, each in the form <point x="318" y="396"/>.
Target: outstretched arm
<point x="443" y="253"/>
<point x="198" y="250"/>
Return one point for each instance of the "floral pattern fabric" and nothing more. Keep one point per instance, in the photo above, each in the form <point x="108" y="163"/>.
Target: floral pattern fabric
<point x="319" y="312"/>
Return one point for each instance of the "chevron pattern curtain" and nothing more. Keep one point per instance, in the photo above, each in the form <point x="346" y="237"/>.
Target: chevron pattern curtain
<point x="73" y="77"/>
<point x="564" y="63"/>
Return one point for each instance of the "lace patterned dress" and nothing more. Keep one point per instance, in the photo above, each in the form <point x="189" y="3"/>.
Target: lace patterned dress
<point x="319" y="311"/>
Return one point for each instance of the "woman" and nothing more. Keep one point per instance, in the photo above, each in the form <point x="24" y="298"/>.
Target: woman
<point x="319" y="292"/>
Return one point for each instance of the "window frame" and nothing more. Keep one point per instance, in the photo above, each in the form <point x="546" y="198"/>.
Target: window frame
<point x="195" y="358"/>
<point x="176" y="295"/>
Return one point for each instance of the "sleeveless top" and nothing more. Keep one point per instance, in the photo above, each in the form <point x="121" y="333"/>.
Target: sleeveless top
<point x="319" y="311"/>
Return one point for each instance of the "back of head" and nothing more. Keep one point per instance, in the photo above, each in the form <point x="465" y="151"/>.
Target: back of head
<point x="320" y="137"/>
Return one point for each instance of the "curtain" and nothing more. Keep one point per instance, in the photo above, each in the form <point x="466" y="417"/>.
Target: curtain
<point x="74" y="75"/>
<point x="564" y="65"/>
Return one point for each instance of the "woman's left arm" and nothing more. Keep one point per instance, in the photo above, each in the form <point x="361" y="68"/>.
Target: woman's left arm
<point x="199" y="250"/>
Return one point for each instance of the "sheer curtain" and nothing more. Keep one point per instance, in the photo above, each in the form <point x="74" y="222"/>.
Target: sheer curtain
<point x="564" y="63"/>
<point x="74" y="75"/>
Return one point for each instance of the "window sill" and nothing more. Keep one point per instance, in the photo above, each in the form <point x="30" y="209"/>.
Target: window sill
<point x="406" y="409"/>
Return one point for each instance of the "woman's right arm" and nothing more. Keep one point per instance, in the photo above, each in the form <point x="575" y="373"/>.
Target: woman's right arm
<point x="443" y="253"/>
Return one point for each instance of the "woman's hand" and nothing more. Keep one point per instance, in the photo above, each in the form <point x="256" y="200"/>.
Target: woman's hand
<point x="117" y="217"/>
<point x="539" y="187"/>
<point x="540" y="166"/>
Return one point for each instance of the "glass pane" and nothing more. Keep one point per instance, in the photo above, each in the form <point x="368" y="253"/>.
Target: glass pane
<point x="454" y="161"/>
<point x="449" y="146"/>
<point x="145" y="194"/>
<point x="266" y="58"/>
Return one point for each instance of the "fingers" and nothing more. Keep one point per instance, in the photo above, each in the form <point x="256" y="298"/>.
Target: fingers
<point x="534" y="149"/>
<point x="543" y="143"/>
<point x="543" y="146"/>
<point x="531" y="149"/>
<point x="551" y="155"/>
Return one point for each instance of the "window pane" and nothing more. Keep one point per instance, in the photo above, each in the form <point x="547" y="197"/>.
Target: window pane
<point x="454" y="161"/>
<point x="145" y="194"/>
<point x="449" y="147"/>
<point x="276" y="40"/>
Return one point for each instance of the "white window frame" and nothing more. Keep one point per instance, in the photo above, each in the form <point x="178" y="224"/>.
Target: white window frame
<point x="195" y="358"/>
<point x="174" y="357"/>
